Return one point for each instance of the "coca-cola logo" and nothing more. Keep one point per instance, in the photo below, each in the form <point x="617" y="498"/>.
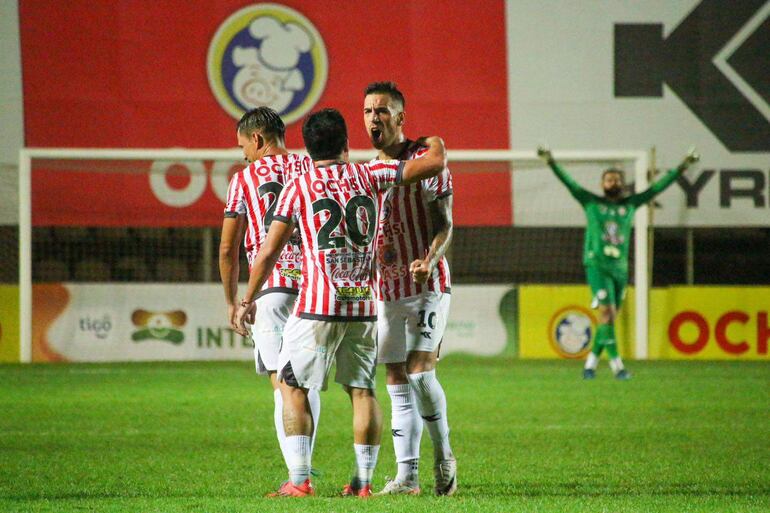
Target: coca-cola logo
<point x="358" y="273"/>
<point x="291" y="253"/>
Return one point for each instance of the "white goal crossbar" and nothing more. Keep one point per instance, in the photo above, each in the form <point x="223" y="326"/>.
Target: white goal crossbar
<point x="26" y="155"/>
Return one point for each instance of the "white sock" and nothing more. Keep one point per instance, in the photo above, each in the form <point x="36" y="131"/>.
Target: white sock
<point x="406" y="428"/>
<point x="366" y="460"/>
<point x="431" y="402"/>
<point x="616" y="364"/>
<point x="592" y="361"/>
<point x="298" y="456"/>
<point x="278" y="419"/>
<point x="314" y="398"/>
<point x="408" y="471"/>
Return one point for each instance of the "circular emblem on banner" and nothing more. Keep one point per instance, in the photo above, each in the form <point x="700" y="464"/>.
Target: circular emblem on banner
<point x="267" y="55"/>
<point x="571" y="330"/>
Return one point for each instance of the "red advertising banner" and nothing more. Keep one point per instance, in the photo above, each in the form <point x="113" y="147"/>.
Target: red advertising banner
<point x="114" y="74"/>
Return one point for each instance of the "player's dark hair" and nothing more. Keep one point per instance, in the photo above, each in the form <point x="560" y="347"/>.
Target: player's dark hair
<point x="264" y="119"/>
<point x="616" y="171"/>
<point x="325" y="134"/>
<point x="386" y="88"/>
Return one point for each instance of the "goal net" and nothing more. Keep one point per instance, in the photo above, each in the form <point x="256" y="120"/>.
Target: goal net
<point x="104" y="221"/>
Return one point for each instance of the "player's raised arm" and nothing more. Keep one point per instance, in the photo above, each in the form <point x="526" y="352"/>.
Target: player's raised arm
<point x="670" y="177"/>
<point x="427" y="166"/>
<point x="578" y="192"/>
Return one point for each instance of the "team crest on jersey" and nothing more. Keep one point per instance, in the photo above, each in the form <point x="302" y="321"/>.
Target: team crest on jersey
<point x="267" y="55"/>
<point x="612" y="233"/>
<point x="571" y="330"/>
<point x="387" y="254"/>
<point x="162" y="326"/>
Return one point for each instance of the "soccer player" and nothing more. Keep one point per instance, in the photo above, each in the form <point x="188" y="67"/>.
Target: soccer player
<point x="413" y="288"/>
<point x="251" y="199"/>
<point x="605" y="251"/>
<point x="334" y="206"/>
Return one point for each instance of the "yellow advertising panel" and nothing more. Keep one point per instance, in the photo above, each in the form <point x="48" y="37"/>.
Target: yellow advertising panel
<point x="704" y="323"/>
<point x="710" y="323"/>
<point x="9" y="323"/>
<point x="555" y="321"/>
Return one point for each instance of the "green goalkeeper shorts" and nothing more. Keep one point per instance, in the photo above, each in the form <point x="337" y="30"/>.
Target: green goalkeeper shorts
<point x="608" y="287"/>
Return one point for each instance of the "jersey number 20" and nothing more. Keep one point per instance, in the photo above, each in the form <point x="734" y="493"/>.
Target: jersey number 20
<point x="329" y="236"/>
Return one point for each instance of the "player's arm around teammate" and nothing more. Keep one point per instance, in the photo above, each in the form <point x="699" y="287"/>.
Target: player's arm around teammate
<point x="430" y="165"/>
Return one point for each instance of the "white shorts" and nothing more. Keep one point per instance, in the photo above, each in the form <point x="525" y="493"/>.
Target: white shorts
<point x="311" y="347"/>
<point x="415" y="323"/>
<point x="273" y="310"/>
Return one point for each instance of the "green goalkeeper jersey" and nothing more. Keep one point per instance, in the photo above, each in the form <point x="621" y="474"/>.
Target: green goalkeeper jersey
<point x="609" y="222"/>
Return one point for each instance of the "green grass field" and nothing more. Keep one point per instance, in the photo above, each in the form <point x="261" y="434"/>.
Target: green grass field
<point x="528" y="435"/>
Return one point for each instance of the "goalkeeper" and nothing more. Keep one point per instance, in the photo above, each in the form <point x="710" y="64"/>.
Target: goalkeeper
<point x="605" y="250"/>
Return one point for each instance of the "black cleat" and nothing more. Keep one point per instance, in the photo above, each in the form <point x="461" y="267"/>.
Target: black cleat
<point x="623" y="375"/>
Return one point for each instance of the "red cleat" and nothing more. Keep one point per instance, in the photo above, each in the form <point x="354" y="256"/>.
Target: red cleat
<point x="356" y="489"/>
<point x="289" y="489"/>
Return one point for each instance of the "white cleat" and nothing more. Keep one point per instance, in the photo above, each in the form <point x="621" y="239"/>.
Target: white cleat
<point x="394" y="487"/>
<point x="445" y="472"/>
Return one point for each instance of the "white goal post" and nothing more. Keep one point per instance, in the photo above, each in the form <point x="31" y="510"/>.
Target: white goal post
<point x="27" y="155"/>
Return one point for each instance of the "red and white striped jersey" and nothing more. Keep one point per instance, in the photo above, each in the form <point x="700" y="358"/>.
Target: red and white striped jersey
<point x="335" y="209"/>
<point x="254" y="192"/>
<point x="406" y="233"/>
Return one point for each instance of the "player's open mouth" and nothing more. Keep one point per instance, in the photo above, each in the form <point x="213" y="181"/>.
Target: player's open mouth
<point x="376" y="134"/>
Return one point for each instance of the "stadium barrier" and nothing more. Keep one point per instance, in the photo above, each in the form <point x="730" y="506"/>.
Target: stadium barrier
<point x="140" y="322"/>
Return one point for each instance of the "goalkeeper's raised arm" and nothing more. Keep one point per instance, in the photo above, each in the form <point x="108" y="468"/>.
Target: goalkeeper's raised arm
<point x="578" y="192"/>
<point x="667" y="179"/>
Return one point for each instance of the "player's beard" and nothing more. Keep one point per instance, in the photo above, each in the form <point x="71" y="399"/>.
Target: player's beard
<point x="613" y="192"/>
